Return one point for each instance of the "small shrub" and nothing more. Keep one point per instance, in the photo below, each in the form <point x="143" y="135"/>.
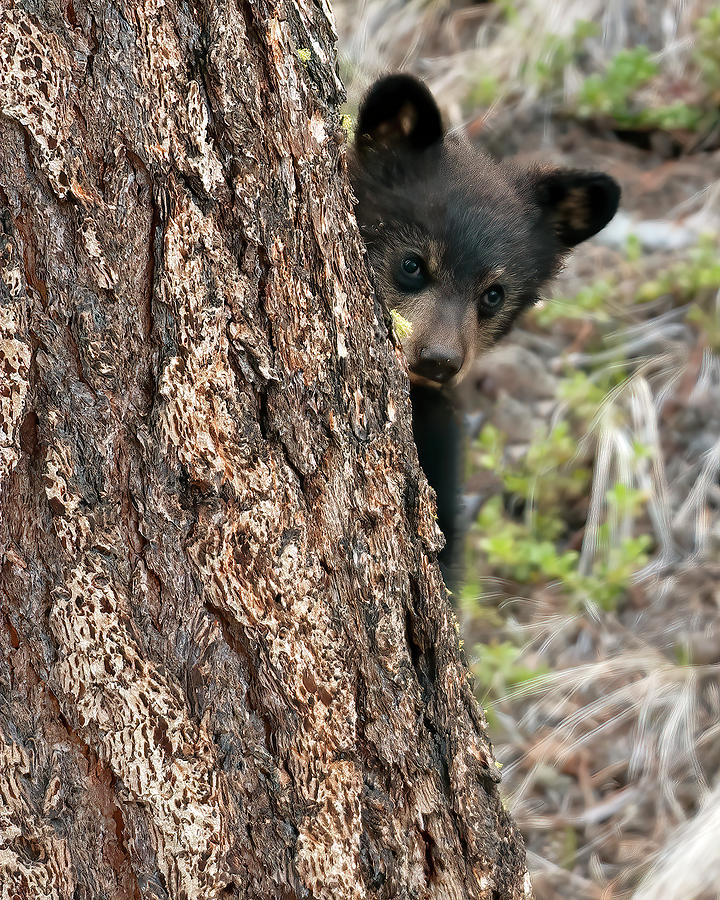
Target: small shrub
<point x="498" y="669"/>
<point x="707" y="52"/>
<point x="610" y="93"/>
<point x="559" y="52"/>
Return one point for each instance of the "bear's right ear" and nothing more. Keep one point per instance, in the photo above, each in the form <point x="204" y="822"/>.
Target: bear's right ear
<point x="398" y="112"/>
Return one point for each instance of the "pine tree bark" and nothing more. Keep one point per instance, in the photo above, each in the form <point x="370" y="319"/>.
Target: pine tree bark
<point x="228" y="666"/>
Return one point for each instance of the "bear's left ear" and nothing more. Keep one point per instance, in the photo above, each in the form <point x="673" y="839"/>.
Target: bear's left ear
<point x="398" y="112"/>
<point x="578" y="203"/>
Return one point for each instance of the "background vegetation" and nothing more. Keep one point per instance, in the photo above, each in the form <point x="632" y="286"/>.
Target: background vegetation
<point x="590" y="616"/>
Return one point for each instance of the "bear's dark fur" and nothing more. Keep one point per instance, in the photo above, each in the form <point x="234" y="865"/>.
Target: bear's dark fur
<point x="460" y="245"/>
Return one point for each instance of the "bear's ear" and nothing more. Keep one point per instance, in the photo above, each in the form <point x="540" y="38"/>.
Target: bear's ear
<point x="398" y="112"/>
<point x="578" y="203"/>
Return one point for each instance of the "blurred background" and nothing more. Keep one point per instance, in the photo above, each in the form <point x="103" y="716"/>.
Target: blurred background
<point x="591" y="612"/>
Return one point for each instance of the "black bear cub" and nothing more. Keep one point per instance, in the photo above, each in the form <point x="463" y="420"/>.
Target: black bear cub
<point x="459" y="245"/>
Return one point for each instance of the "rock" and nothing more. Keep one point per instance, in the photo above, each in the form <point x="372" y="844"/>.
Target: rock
<point x="513" y="370"/>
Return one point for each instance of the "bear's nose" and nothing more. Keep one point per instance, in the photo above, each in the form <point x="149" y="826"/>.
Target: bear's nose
<point x="438" y="363"/>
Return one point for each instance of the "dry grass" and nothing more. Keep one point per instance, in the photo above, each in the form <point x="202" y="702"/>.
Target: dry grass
<point x="452" y="45"/>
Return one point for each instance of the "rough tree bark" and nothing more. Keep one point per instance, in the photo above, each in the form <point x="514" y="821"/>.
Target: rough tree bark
<point x="228" y="668"/>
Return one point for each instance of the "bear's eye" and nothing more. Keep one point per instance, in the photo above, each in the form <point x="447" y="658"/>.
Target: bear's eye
<point x="410" y="274"/>
<point x="491" y="300"/>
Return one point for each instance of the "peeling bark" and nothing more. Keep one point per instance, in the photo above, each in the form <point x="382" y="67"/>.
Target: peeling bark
<point x="228" y="667"/>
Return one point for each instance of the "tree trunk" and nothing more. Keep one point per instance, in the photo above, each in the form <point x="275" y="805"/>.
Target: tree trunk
<point x="228" y="665"/>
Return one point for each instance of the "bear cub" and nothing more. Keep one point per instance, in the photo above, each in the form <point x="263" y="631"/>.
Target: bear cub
<point x="459" y="246"/>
